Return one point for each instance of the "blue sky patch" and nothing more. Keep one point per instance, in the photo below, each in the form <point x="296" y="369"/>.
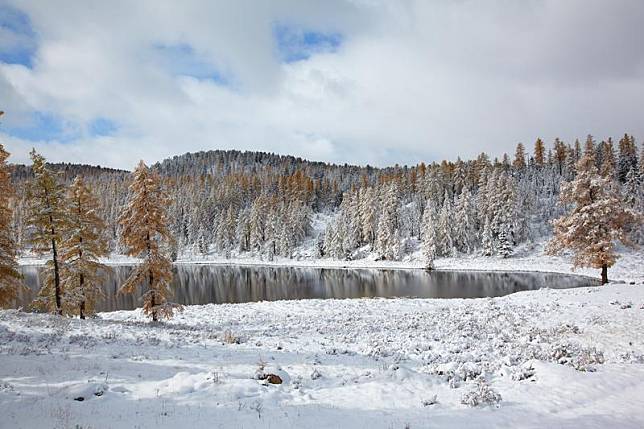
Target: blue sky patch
<point x="297" y="44"/>
<point x="102" y="127"/>
<point x="181" y="60"/>
<point x="19" y="40"/>
<point x="45" y="126"/>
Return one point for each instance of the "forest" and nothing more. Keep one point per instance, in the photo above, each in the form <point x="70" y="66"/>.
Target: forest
<point x="228" y="202"/>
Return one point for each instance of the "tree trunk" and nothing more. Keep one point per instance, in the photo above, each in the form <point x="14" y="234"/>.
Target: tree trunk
<point x="82" y="304"/>
<point x="57" y="291"/>
<point x="604" y="274"/>
<point x="153" y="300"/>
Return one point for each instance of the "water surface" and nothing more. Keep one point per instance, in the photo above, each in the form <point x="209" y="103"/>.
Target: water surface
<point x="203" y="284"/>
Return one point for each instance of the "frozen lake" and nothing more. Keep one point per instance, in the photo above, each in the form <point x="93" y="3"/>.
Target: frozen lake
<point x="203" y="284"/>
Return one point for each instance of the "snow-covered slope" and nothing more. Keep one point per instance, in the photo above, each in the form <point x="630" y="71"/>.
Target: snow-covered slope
<point x="557" y="358"/>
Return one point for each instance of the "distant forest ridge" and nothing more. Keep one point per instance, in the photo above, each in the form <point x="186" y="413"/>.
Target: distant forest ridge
<point x="230" y="202"/>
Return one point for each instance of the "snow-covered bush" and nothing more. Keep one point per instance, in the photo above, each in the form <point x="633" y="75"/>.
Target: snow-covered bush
<point x="481" y="394"/>
<point x="580" y="358"/>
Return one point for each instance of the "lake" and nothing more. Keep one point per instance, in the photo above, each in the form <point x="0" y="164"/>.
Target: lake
<point x="204" y="284"/>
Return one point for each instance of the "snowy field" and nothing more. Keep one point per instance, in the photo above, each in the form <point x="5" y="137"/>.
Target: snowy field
<point x="548" y="358"/>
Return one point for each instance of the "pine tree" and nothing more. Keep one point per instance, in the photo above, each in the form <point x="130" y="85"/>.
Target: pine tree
<point x="560" y="154"/>
<point x="367" y="216"/>
<point x="608" y="164"/>
<point x="445" y="233"/>
<point x="48" y="220"/>
<point x="519" y="157"/>
<point x="80" y="249"/>
<point x="487" y="240"/>
<point x="465" y="233"/>
<point x="597" y="220"/>
<point x="505" y="243"/>
<point x="539" y="153"/>
<point x="10" y="278"/>
<point x="627" y="157"/>
<point x="429" y="236"/>
<point x="387" y="223"/>
<point x="145" y="232"/>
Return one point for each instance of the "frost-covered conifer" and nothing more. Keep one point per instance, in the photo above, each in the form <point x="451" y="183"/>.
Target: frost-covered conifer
<point x="444" y="230"/>
<point x="487" y="239"/>
<point x="145" y="236"/>
<point x="465" y="233"/>
<point x="505" y="243"/>
<point x="80" y="250"/>
<point x="597" y="220"/>
<point x="10" y="278"/>
<point x="429" y="236"/>
<point x="48" y="220"/>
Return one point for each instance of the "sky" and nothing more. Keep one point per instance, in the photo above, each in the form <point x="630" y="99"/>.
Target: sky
<point x="356" y="81"/>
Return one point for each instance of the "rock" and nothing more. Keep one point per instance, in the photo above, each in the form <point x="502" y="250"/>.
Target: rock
<point x="273" y="379"/>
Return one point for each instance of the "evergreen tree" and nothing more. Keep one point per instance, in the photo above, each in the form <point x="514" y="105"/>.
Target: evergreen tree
<point x="487" y="239"/>
<point x="607" y="168"/>
<point x="519" y="157"/>
<point x="10" y="277"/>
<point x="627" y="157"/>
<point x="539" y="153"/>
<point x="48" y="220"/>
<point x="465" y="233"/>
<point x="505" y="243"/>
<point x="145" y="232"/>
<point x="80" y="249"/>
<point x="429" y="236"/>
<point x="367" y="215"/>
<point x="444" y="233"/>
<point x="596" y="221"/>
<point x="387" y="223"/>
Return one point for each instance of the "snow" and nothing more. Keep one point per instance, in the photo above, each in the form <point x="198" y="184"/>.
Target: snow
<point x="549" y="358"/>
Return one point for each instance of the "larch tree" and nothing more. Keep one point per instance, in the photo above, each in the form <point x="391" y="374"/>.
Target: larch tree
<point x="48" y="220"/>
<point x="519" y="157"/>
<point x="82" y="246"/>
<point x="598" y="219"/>
<point x="145" y="235"/>
<point x="10" y="278"/>
<point x="539" y="153"/>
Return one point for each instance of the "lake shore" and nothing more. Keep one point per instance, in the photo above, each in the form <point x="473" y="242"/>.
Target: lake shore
<point x="628" y="269"/>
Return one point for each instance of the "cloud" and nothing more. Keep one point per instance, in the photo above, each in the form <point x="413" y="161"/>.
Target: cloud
<point x="341" y="81"/>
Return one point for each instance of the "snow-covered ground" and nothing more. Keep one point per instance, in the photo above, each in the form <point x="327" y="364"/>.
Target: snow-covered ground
<point x="557" y="358"/>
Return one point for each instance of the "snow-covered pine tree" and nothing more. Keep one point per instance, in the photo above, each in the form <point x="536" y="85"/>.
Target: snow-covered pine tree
<point x="597" y="220"/>
<point x="444" y="231"/>
<point x="145" y="234"/>
<point x="487" y="239"/>
<point x="82" y="245"/>
<point x="387" y="223"/>
<point x="48" y="220"/>
<point x="627" y="157"/>
<point x="539" y="153"/>
<point x="465" y="234"/>
<point x="428" y="243"/>
<point x="367" y="215"/>
<point x="10" y="278"/>
<point x="519" y="157"/>
<point x="258" y="223"/>
<point x="505" y="242"/>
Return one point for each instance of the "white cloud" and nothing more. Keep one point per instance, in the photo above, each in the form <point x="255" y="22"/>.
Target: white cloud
<point x="411" y="81"/>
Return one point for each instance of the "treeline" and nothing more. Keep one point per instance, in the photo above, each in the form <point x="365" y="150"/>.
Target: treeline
<point x="230" y="202"/>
